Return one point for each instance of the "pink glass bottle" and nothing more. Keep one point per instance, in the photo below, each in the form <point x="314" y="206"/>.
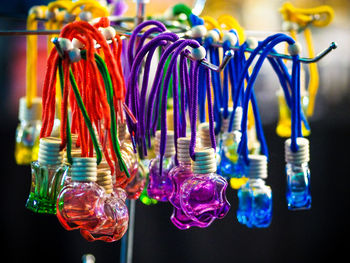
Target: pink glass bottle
<point x="203" y="196"/>
<point x="137" y="180"/>
<point x="80" y="204"/>
<point x="115" y="209"/>
<point x="160" y="186"/>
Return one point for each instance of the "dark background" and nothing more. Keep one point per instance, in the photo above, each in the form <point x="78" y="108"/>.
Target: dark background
<point x="303" y="236"/>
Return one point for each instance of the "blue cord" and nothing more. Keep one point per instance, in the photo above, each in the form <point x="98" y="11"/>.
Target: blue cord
<point x="275" y="40"/>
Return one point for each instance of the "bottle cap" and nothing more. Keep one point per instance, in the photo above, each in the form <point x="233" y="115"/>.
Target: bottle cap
<point x="84" y="169"/>
<point x="30" y="114"/>
<point x="257" y="167"/>
<point x="49" y="151"/>
<point x="300" y="156"/>
<point x="237" y="119"/>
<point x="104" y="179"/>
<point x="121" y="130"/>
<point x="183" y="149"/>
<point x="169" y="147"/>
<point x="204" y="134"/>
<point x="204" y="161"/>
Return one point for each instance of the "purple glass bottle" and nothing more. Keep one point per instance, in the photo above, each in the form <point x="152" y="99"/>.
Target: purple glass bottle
<point x="160" y="186"/>
<point x="177" y="176"/>
<point x="203" y="196"/>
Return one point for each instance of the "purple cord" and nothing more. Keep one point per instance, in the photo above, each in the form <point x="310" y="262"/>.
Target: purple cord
<point x="210" y="111"/>
<point x="194" y="77"/>
<point x="132" y="91"/>
<point x="183" y="73"/>
<point x="146" y="35"/>
<point x="163" y="120"/>
<point x="135" y="33"/>
<point x="154" y="94"/>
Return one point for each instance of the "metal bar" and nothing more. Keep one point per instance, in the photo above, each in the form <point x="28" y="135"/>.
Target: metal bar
<point x="318" y="57"/>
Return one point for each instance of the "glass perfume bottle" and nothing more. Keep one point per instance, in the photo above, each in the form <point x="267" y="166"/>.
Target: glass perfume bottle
<point x="298" y="175"/>
<point x="203" y="196"/>
<point x="48" y="177"/>
<point x="137" y="181"/>
<point x="231" y="167"/>
<point x="255" y="198"/>
<point x="160" y="186"/>
<point x="115" y="209"/>
<point x="28" y="130"/>
<point x="178" y="175"/>
<point x="144" y="198"/>
<point x="80" y="204"/>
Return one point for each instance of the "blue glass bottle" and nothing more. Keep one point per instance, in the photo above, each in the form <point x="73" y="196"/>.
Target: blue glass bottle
<point x="255" y="198"/>
<point x="298" y="186"/>
<point x="298" y="175"/>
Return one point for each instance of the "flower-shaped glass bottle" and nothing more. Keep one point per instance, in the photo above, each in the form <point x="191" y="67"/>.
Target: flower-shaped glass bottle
<point x="48" y="177"/>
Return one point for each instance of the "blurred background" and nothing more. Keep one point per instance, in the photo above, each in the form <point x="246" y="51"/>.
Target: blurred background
<point x="302" y="236"/>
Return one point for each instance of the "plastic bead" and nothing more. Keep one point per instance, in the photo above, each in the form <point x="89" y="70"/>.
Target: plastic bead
<point x="50" y="15"/>
<point x="68" y="18"/>
<point x="294" y="49"/>
<point x="231" y="37"/>
<point x="214" y="35"/>
<point x="252" y="42"/>
<point x="77" y="44"/>
<point x="65" y="44"/>
<point x="74" y="55"/>
<point x="85" y="16"/>
<point x="198" y="53"/>
<point x="108" y="32"/>
<point x="198" y="31"/>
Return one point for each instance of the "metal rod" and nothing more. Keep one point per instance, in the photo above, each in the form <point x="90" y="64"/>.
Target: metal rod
<point x="205" y="63"/>
<point x="127" y="242"/>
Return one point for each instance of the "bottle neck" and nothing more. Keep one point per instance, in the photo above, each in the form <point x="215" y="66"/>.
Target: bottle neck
<point x="183" y="163"/>
<point x="298" y="165"/>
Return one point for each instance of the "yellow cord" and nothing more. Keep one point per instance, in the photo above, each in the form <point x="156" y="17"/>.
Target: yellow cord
<point x="93" y="6"/>
<point x="319" y="16"/>
<point x="32" y="53"/>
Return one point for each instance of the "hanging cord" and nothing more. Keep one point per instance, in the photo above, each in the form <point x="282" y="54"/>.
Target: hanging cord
<point x="320" y="16"/>
<point x="135" y="33"/>
<point x="172" y="64"/>
<point x="32" y="53"/>
<point x="138" y="130"/>
<point x="269" y="45"/>
<point x="285" y="80"/>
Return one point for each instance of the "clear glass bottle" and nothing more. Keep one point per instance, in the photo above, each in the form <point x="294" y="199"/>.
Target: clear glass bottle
<point x="160" y="186"/>
<point x="255" y="198"/>
<point x="116" y="224"/>
<point x="28" y="131"/>
<point x="80" y="204"/>
<point x="255" y="204"/>
<point x="203" y="196"/>
<point x="298" y="175"/>
<point x="48" y="177"/>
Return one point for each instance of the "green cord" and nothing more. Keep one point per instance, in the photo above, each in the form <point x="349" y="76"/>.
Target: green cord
<point x="86" y="116"/>
<point x="109" y="91"/>
<point x="69" y="136"/>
